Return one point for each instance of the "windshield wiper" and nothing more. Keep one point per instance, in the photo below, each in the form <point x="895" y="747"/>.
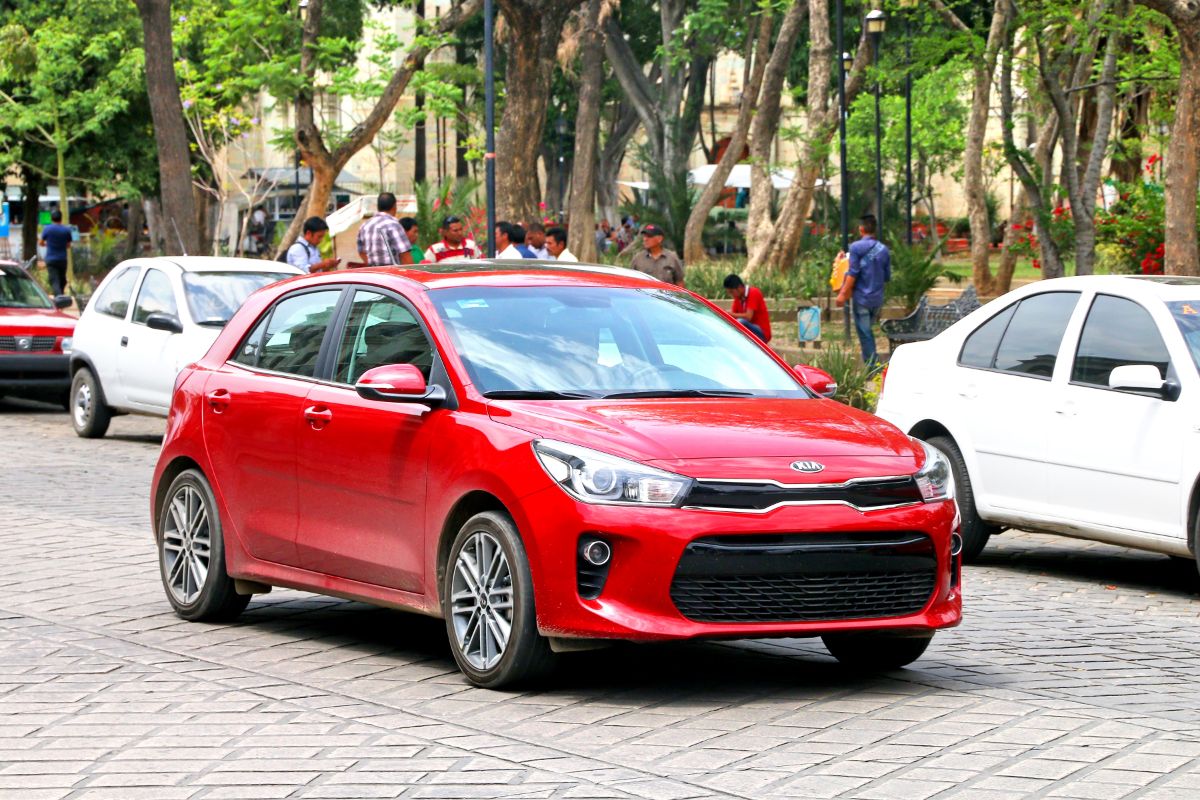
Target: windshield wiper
<point x="536" y="394"/>
<point x="677" y="393"/>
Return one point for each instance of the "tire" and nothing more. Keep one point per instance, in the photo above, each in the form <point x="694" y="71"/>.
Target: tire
<point x="89" y="415"/>
<point x="481" y="652"/>
<point x="191" y="553"/>
<point x="877" y="651"/>
<point x="975" y="532"/>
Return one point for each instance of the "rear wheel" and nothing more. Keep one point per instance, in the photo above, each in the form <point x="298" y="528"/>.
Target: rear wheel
<point x="876" y="651"/>
<point x="488" y="603"/>
<point x="191" y="553"/>
<point x="975" y="532"/>
<point x="89" y="415"/>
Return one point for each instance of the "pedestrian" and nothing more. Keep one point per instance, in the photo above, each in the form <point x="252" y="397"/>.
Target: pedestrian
<point x="602" y="235"/>
<point x="870" y="269"/>
<point x="412" y="232"/>
<point x="305" y="252"/>
<point x="56" y="238"/>
<point x="454" y="245"/>
<point x="556" y="245"/>
<point x="505" y="248"/>
<point x="535" y="239"/>
<point x="381" y="239"/>
<point x="749" y="307"/>
<point x="516" y="235"/>
<point x="656" y="260"/>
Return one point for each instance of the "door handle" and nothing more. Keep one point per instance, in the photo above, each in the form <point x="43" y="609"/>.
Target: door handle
<point x="219" y="399"/>
<point x="318" y="416"/>
<point x="1067" y="410"/>
<point x="969" y="392"/>
<point x="124" y="341"/>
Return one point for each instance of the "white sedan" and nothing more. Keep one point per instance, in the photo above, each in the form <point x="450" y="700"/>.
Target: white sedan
<point x="1068" y="406"/>
<point x="147" y="320"/>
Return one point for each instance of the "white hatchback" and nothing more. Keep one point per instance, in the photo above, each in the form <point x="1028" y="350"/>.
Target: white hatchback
<point x="1068" y="406"/>
<point x="147" y="320"/>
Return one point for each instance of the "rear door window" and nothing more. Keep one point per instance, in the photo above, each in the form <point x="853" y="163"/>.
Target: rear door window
<point x="291" y="342"/>
<point x="1035" y="334"/>
<point x="979" y="350"/>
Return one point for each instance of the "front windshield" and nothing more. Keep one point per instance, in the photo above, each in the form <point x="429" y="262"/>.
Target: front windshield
<point x="213" y="297"/>
<point x="552" y="342"/>
<point x="17" y="290"/>
<point x="1187" y="317"/>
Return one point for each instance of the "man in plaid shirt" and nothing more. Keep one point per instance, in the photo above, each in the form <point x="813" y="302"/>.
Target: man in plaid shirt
<point x="381" y="239"/>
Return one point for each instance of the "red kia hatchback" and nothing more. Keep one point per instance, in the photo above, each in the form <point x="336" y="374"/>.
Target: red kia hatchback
<point x="548" y="457"/>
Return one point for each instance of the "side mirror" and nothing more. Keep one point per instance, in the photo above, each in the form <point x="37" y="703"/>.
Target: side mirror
<point x="1143" y="379"/>
<point x="398" y="383"/>
<point x="62" y="301"/>
<point x="164" y="322"/>
<point x="817" y="379"/>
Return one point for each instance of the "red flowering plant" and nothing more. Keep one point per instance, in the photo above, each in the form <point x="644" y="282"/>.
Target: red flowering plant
<point x="1136" y="223"/>
<point x="1061" y="228"/>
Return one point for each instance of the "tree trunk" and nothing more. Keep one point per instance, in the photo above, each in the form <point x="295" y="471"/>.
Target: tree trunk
<point x="693" y="236"/>
<point x="1126" y="164"/>
<point x="981" y="233"/>
<point x="766" y="123"/>
<point x="133" y="233"/>
<point x="34" y="184"/>
<point x="1180" y="255"/>
<point x="534" y="30"/>
<point x="581" y="210"/>
<point x="170" y="131"/>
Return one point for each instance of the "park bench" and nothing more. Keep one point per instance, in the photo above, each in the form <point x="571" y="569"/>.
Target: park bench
<point x="928" y="320"/>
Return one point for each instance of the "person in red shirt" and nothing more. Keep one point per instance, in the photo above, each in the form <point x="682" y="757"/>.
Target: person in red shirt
<point x="454" y="246"/>
<point x="749" y="307"/>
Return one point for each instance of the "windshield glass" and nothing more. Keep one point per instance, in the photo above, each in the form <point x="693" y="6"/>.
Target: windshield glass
<point x="213" y="297"/>
<point x="17" y="290"/>
<point x="554" y="342"/>
<point x="1187" y="317"/>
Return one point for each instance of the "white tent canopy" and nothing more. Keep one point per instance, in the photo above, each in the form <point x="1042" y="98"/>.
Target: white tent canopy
<point x="739" y="177"/>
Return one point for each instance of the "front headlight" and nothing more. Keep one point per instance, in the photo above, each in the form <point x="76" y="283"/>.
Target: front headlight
<point x="935" y="479"/>
<point x="596" y="477"/>
<point x="67" y="344"/>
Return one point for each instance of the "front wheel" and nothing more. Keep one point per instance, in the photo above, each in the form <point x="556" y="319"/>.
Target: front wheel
<point x="488" y="604"/>
<point x="89" y="415"/>
<point x="975" y="532"/>
<point x="876" y="651"/>
<point x="191" y="553"/>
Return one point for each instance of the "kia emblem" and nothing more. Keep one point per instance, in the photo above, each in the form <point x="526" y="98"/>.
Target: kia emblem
<point x="807" y="466"/>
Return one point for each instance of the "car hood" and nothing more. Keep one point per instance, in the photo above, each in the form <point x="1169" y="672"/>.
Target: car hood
<point x="695" y="435"/>
<point x="25" y="319"/>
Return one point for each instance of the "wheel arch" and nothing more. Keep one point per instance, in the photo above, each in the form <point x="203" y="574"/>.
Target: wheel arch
<point x="1193" y="512"/>
<point x="926" y="429"/>
<point x="474" y="502"/>
<point x="178" y="465"/>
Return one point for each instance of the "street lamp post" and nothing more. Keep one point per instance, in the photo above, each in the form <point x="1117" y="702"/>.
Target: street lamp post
<point x="908" y="5"/>
<point x="489" y="121"/>
<point x="844" y="204"/>
<point x="876" y="22"/>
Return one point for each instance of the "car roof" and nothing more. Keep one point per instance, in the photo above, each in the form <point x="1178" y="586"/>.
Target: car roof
<point x="220" y="264"/>
<point x="1162" y="287"/>
<point x="525" y="272"/>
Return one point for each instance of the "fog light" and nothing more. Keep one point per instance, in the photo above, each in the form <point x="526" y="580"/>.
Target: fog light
<point x="596" y="552"/>
<point x="955" y="544"/>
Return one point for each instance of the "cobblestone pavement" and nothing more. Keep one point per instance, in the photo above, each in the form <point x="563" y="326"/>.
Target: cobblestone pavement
<point x="1076" y="675"/>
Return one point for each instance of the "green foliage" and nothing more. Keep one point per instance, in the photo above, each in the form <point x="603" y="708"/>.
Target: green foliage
<point x="915" y="270"/>
<point x="103" y="252"/>
<point x="1134" y="227"/>
<point x="857" y="385"/>
<point x="435" y="203"/>
<point x="804" y="283"/>
<point x="670" y="199"/>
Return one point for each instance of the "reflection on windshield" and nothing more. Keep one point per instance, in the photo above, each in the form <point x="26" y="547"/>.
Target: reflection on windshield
<point x="18" y="291"/>
<point x="213" y="297"/>
<point x="1187" y="317"/>
<point x="560" y="342"/>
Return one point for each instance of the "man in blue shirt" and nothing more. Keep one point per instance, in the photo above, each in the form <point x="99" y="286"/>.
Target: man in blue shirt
<point x="870" y="269"/>
<point x="56" y="238"/>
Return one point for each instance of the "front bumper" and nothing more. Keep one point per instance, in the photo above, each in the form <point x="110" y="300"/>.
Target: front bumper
<point x="647" y="546"/>
<point x="42" y="372"/>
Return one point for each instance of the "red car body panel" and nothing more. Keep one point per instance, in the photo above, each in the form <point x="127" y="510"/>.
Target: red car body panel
<point x="375" y="488"/>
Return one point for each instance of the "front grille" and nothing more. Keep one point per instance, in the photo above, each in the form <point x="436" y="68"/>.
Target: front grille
<point x="760" y="496"/>
<point x="41" y="344"/>
<point x="805" y="577"/>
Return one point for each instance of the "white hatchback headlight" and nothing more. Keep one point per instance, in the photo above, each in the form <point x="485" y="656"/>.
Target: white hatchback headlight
<point x="595" y="477"/>
<point x="935" y="479"/>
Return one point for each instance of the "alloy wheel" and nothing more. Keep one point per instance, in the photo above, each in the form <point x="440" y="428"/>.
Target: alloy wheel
<point x="82" y="407"/>
<point x="482" y="601"/>
<point x="186" y="545"/>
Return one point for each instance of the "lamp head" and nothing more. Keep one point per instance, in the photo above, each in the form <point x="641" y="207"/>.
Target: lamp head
<point x="876" y="22"/>
<point x="847" y="62"/>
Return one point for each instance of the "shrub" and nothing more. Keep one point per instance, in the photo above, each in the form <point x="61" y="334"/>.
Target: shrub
<point x="856" y="383"/>
<point x="915" y="272"/>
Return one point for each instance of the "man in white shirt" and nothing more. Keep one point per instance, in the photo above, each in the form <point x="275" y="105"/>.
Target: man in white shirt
<point x="535" y="240"/>
<point x="556" y="244"/>
<point x="505" y="247"/>
<point x="305" y="252"/>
